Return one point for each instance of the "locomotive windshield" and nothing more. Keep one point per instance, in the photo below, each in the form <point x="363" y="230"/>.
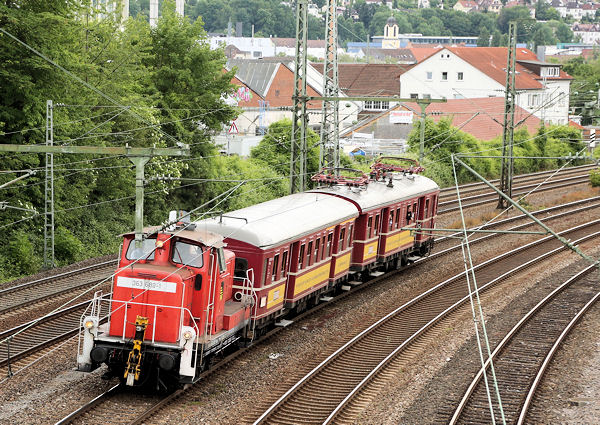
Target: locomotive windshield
<point x="146" y="252"/>
<point x="187" y="254"/>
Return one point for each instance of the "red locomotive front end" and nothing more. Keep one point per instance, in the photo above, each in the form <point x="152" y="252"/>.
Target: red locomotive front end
<point x="172" y="306"/>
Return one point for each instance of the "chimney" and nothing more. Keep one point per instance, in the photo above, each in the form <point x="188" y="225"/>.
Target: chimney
<point x="541" y="53"/>
<point x="153" y="13"/>
<point x="180" y="7"/>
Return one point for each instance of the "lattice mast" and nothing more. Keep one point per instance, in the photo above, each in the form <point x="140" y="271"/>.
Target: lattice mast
<point x="299" y="117"/>
<point x="49" y="190"/>
<point x="509" y="119"/>
<point x="330" y="136"/>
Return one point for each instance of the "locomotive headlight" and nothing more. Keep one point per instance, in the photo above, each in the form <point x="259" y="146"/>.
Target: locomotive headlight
<point x="187" y="335"/>
<point x="89" y="324"/>
<point x="159" y="244"/>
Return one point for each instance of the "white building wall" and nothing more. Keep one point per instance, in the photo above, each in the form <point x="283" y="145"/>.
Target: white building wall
<point x="588" y="37"/>
<point x="257" y="47"/>
<point x="427" y="78"/>
<point x="476" y="84"/>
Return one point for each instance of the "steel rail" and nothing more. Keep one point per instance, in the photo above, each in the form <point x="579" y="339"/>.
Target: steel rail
<point x="543" y="188"/>
<point x="550" y="356"/>
<point x="434" y="321"/>
<point x="384" y="319"/>
<point x="528" y="176"/>
<point x="89" y="405"/>
<point x="511" y="334"/>
<point x="53" y="277"/>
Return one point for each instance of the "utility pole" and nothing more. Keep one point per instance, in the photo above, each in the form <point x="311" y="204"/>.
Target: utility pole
<point x="299" y="116"/>
<point x="509" y="119"/>
<point x="330" y="130"/>
<point x="49" y="190"/>
<point x="139" y="157"/>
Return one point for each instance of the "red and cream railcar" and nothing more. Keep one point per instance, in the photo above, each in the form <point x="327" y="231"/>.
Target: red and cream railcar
<point x="296" y="247"/>
<point x="385" y="207"/>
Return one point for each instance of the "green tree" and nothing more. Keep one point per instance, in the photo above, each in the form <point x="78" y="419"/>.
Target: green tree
<point x="275" y="147"/>
<point x="484" y="38"/>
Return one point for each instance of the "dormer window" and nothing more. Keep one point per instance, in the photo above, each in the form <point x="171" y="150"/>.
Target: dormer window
<point x="550" y="71"/>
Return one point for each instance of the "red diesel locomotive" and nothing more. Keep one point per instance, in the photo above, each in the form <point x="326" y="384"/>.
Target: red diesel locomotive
<point x="178" y="297"/>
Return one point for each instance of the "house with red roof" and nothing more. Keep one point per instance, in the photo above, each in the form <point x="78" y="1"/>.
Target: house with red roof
<point x="480" y="72"/>
<point x="483" y="118"/>
<point x="264" y="95"/>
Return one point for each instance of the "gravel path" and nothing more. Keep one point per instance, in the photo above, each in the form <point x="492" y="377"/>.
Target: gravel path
<point x="254" y="379"/>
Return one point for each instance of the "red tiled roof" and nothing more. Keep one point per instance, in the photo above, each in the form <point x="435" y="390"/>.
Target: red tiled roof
<point x="421" y="53"/>
<point x="368" y="79"/>
<point x="487" y="124"/>
<point x="291" y="42"/>
<point x="492" y="62"/>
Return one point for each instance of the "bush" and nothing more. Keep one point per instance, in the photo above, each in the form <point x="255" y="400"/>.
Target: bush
<point x="595" y="178"/>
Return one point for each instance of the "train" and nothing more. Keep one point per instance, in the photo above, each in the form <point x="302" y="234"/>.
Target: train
<point x="192" y="289"/>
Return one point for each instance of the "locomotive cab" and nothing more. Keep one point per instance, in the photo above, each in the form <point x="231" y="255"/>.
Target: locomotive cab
<point x="172" y="306"/>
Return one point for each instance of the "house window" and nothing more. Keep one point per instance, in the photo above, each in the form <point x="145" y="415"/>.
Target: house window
<point x="414" y="95"/>
<point x="533" y="100"/>
<point x="257" y="54"/>
<point x="459" y="76"/>
<point x="562" y="97"/>
<point x="426" y="96"/>
<point x="444" y="76"/>
<point x="376" y="105"/>
<point x="429" y="75"/>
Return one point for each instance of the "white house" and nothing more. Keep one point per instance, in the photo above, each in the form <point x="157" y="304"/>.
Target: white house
<point x="588" y="33"/>
<point x="254" y="47"/>
<point x="475" y="72"/>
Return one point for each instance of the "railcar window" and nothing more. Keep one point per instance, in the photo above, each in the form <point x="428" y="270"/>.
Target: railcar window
<point x="350" y="234"/>
<point x="146" y="252"/>
<point x="188" y="254"/>
<point x="275" y="265"/>
<point x="376" y="229"/>
<point x="370" y="227"/>
<point x="301" y="258"/>
<point x="398" y="218"/>
<point x="241" y="266"/>
<point x="264" y="271"/>
<point x="415" y="210"/>
<point x="323" y="253"/>
<point x="391" y="221"/>
<point x="284" y="264"/>
<point x="309" y="254"/>
<point x="317" y="245"/>
<point x="409" y="214"/>
<point x="426" y="207"/>
<point x="329" y="238"/>
<point x="221" y="258"/>
<point x="342" y="237"/>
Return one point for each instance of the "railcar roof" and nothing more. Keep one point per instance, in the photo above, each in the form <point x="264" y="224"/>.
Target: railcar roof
<point x="280" y="220"/>
<point x="197" y="235"/>
<point x="378" y="194"/>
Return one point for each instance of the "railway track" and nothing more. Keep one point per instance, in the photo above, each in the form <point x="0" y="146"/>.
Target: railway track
<point x="518" y="358"/>
<point x="18" y="299"/>
<point x="517" y="191"/>
<point x="25" y="340"/>
<point x="471" y="188"/>
<point x="569" y="207"/>
<point x="336" y="389"/>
